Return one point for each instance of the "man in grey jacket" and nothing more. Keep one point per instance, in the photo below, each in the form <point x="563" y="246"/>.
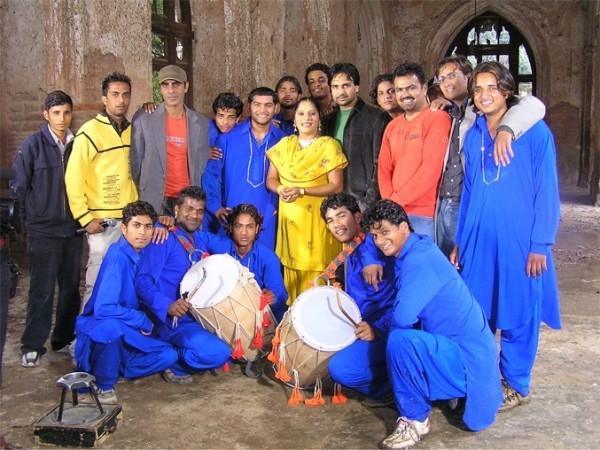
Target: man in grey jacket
<point x="170" y="147"/>
<point x="453" y="73"/>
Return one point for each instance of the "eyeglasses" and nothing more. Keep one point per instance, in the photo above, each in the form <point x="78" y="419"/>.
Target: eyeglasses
<point x="451" y="76"/>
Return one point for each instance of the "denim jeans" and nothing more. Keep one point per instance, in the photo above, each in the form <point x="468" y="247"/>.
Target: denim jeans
<point x="52" y="260"/>
<point x="422" y="225"/>
<point x="447" y="222"/>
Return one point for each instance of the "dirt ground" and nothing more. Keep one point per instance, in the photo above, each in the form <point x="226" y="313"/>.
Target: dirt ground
<point x="229" y="410"/>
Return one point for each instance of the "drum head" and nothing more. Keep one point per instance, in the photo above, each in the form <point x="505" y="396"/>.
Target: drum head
<point x="222" y="273"/>
<point x="318" y="321"/>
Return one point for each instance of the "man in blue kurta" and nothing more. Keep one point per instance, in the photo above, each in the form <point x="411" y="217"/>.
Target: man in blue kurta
<point x="507" y="225"/>
<point x="243" y="227"/>
<point x="157" y="284"/>
<point x="113" y="335"/>
<point x="361" y="365"/>
<point x="240" y="176"/>
<point x="453" y="354"/>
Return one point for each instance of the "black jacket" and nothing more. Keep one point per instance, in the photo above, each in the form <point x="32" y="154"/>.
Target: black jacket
<point x="39" y="185"/>
<point x="362" y="142"/>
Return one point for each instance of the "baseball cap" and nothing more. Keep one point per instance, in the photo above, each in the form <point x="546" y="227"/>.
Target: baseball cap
<point x="172" y="72"/>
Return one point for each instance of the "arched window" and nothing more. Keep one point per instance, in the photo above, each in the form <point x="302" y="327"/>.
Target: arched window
<point x="171" y="41"/>
<point x="496" y="39"/>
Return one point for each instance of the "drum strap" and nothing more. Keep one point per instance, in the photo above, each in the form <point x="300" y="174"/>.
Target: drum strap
<point x="348" y="249"/>
<point x="189" y="247"/>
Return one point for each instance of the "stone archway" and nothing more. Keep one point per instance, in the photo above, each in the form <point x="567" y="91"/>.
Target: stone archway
<point x="459" y="16"/>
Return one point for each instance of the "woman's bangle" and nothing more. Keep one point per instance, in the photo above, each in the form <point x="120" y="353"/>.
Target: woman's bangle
<point x="301" y="192"/>
<point x="280" y="188"/>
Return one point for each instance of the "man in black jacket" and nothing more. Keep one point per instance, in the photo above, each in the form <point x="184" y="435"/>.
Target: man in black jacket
<point x="53" y="248"/>
<point x="359" y="128"/>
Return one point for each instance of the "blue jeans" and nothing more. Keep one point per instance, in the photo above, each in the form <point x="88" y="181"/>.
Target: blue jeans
<point x="422" y="225"/>
<point x="447" y="223"/>
<point x="52" y="260"/>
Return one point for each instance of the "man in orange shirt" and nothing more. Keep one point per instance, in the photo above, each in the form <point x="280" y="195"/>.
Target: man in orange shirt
<point x="170" y="147"/>
<point x="413" y="149"/>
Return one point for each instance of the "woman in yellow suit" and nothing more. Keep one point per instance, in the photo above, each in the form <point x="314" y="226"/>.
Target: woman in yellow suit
<point x="304" y="169"/>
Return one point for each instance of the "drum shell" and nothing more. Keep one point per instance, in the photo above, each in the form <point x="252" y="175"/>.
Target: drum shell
<point x="237" y="315"/>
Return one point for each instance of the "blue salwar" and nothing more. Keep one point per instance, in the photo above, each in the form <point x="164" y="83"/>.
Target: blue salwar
<point x="109" y="339"/>
<point x="361" y="365"/>
<point x="507" y="213"/>
<point x="454" y="353"/>
<point x="157" y="284"/>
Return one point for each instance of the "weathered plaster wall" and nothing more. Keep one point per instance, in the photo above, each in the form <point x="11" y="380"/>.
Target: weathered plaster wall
<point x="554" y="31"/>
<point x="241" y="44"/>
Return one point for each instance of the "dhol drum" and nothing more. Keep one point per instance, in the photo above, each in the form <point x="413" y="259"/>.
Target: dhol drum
<point x="311" y="332"/>
<point x="227" y="301"/>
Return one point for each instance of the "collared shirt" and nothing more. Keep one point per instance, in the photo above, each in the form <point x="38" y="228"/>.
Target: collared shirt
<point x="452" y="178"/>
<point x="119" y="128"/>
<point x="62" y="145"/>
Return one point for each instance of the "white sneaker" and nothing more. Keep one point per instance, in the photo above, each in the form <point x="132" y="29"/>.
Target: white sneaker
<point x="31" y="359"/>
<point x="108" y="396"/>
<point x="407" y="433"/>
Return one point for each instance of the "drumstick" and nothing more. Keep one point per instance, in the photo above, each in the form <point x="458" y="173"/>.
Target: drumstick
<point x="187" y="295"/>
<point x="339" y="302"/>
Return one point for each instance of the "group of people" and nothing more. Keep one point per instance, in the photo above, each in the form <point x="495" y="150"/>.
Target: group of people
<point x="294" y="191"/>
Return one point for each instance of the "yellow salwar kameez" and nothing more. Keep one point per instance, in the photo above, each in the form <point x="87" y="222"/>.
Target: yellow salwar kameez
<point x="304" y="244"/>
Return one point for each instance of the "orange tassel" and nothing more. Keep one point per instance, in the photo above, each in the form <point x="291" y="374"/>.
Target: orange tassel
<point x="317" y="399"/>
<point x="282" y="372"/>
<point x="257" y="342"/>
<point x="264" y="300"/>
<point x="238" y="350"/>
<point x="337" y="285"/>
<point x="274" y="354"/>
<point x="338" y="395"/>
<point x="226" y="367"/>
<point x="296" y="398"/>
<point x="266" y="322"/>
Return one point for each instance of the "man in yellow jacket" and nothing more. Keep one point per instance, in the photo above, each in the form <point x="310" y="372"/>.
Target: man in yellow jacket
<point x="98" y="176"/>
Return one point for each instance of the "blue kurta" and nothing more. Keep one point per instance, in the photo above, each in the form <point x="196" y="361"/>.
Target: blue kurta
<point x="502" y="221"/>
<point x="241" y="175"/>
<point x="264" y="264"/>
<point x="161" y="270"/>
<point x="430" y="290"/>
<point x="112" y="313"/>
<point x="362" y="366"/>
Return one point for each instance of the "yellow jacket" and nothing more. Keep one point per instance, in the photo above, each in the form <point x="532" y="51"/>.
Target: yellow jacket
<point x="98" y="175"/>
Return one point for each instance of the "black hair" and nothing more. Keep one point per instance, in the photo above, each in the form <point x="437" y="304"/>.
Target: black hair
<point x="292" y="80"/>
<point x="347" y="68"/>
<point x="408" y="69"/>
<point x="244" y="208"/>
<point x="57" y="98"/>
<point x="335" y="201"/>
<point x="115" y="77"/>
<point x="459" y="61"/>
<point x="316" y="66"/>
<point x="193" y="192"/>
<point x="227" y="100"/>
<point x="139" y="208"/>
<point x="375" y="85"/>
<point x="262" y="91"/>
<point x="384" y="210"/>
<point x="505" y="80"/>
<point x="311" y="101"/>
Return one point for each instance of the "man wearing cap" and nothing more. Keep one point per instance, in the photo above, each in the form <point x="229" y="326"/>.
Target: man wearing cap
<point x="170" y="147"/>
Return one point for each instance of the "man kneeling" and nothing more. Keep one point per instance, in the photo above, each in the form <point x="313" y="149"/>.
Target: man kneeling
<point x="113" y="335"/>
<point x="454" y="354"/>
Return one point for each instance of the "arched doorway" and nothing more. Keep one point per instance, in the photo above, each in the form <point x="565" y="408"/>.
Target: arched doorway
<point x="490" y="37"/>
<point x="172" y="41"/>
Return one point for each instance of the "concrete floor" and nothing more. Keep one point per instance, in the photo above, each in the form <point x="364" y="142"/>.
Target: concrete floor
<point x="232" y="411"/>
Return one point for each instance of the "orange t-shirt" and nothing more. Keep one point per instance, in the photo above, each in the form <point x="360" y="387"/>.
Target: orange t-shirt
<point x="411" y="159"/>
<point x="178" y="174"/>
